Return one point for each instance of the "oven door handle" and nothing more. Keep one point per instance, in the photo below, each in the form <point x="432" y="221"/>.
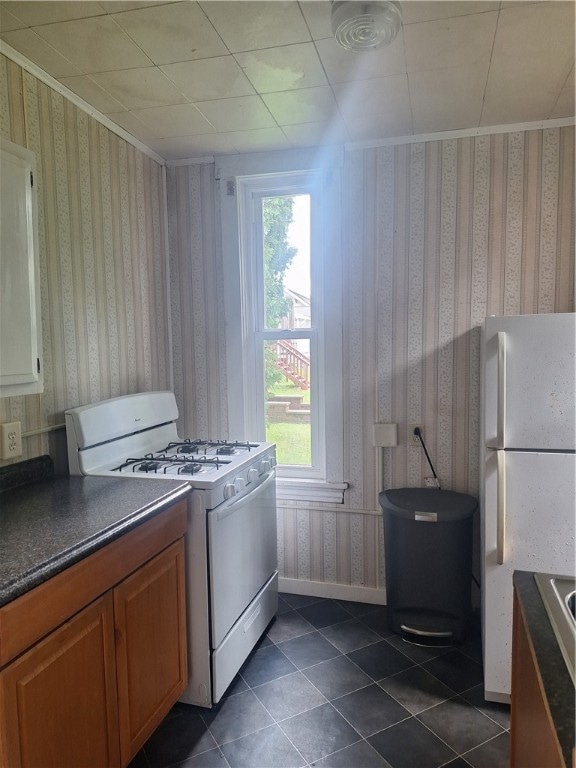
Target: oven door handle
<point x="236" y="502"/>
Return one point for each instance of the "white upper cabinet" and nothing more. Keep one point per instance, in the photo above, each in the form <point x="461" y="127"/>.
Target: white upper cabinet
<point x="21" y="370"/>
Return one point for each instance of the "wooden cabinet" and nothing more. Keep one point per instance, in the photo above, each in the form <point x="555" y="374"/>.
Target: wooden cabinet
<point x="94" y="688"/>
<point x="150" y="646"/>
<point x="533" y="739"/>
<point x="59" y="698"/>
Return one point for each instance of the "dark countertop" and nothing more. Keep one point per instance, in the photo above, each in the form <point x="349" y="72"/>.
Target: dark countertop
<point x="558" y="685"/>
<point x="49" y="525"/>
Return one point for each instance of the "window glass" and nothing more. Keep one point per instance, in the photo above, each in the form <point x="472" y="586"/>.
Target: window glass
<point x="288" y="422"/>
<point x="286" y="255"/>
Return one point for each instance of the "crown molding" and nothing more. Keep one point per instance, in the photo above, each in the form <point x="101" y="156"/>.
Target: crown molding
<point x="204" y="160"/>
<point x="462" y="133"/>
<point x="57" y="86"/>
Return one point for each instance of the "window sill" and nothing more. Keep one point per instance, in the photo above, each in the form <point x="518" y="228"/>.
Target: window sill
<point x="288" y="489"/>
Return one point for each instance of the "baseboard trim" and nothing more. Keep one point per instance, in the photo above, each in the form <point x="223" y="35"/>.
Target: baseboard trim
<point x="352" y="592"/>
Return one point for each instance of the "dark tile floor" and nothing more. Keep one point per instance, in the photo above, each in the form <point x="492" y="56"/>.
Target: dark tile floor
<point x="330" y="686"/>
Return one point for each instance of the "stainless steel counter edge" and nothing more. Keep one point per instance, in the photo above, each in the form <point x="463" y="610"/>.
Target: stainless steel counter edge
<point x="30" y="577"/>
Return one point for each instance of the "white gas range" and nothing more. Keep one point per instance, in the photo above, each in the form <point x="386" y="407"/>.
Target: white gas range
<point x="231" y="539"/>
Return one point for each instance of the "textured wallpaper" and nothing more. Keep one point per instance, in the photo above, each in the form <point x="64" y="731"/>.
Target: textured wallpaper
<point x="102" y="258"/>
<point x="449" y="232"/>
<point x="435" y="237"/>
<point x="197" y="302"/>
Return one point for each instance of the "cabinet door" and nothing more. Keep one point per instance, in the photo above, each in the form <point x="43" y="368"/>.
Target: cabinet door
<point x="20" y="320"/>
<point x="533" y="740"/>
<point x="58" y="706"/>
<point x="150" y="614"/>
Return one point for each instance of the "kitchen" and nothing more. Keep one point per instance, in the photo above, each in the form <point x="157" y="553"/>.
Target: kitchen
<point x="131" y="288"/>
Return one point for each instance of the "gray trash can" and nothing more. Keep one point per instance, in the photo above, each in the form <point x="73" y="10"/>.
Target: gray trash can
<point x="428" y="550"/>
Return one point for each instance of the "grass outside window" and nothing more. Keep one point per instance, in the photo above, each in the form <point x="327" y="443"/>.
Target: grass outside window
<point x="293" y="440"/>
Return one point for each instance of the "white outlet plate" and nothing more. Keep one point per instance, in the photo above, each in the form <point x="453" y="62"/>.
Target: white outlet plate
<point x="11" y="440"/>
<point x="412" y="439"/>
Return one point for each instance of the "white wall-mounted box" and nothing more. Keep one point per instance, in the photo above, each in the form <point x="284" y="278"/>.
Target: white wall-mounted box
<point x="385" y="435"/>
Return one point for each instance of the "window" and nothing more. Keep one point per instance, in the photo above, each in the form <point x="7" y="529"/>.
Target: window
<point x="289" y="305"/>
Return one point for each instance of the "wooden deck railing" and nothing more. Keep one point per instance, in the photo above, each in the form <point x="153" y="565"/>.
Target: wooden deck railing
<point x="293" y="364"/>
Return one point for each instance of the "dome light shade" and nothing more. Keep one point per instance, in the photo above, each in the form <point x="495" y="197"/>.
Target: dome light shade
<point x="360" y="26"/>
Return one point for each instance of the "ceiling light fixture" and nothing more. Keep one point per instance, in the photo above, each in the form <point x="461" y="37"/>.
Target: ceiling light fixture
<point x="360" y="26"/>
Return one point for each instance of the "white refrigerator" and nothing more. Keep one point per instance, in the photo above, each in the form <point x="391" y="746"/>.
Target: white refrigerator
<point x="528" y="486"/>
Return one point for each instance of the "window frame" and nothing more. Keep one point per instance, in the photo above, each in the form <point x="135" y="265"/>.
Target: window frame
<point x="236" y="178"/>
<point x="251" y="191"/>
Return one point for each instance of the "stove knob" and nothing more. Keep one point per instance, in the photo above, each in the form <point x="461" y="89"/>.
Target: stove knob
<point x="265" y="466"/>
<point x="229" y="490"/>
<point x="253" y="474"/>
<point x="239" y="484"/>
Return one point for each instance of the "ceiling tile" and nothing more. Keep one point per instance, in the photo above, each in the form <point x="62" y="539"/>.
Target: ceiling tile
<point x="315" y="134"/>
<point x="451" y="42"/>
<point x="515" y="101"/>
<point x="140" y="87"/>
<point x="308" y="105"/>
<point x="375" y="127"/>
<point x="533" y="54"/>
<point x="379" y="96"/>
<point x="177" y="120"/>
<point x="428" y="10"/>
<point x="94" y="45"/>
<point x="42" y="12"/>
<point x="133" y="125"/>
<point x="92" y="93"/>
<point x="317" y="15"/>
<point x="375" y="108"/>
<point x="27" y="42"/>
<point x="564" y="107"/>
<point x="245" y="26"/>
<point x="242" y="113"/>
<point x="177" y="32"/>
<point x="8" y="21"/>
<point x="260" y="140"/>
<point x="116" y="6"/>
<point x="447" y="99"/>
<point x="283" y="69"/>
<point x="184" y="147"/>
<point x="205" y="79"/>
<point x="343" y="66"/>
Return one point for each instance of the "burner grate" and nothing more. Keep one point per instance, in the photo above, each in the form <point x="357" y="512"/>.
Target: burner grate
<point x="221" y="447"/>
<point x="166" y="463"/>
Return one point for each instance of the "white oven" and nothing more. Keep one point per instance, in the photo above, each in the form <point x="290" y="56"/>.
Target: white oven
<point x="231" y="549"/>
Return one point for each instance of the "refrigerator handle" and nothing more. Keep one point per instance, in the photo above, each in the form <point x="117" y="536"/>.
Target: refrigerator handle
<point x="501" y="507"/>
<point x="501" y="414"/>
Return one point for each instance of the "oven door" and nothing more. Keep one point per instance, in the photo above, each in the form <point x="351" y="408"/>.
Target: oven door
<point x="242" y="551"/>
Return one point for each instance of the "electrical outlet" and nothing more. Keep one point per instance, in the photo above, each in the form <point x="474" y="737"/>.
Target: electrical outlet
<point x="11" y="440"/>
<point x="412" y="439"/>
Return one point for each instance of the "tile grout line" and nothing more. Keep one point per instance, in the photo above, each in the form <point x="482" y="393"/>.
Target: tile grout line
<point x="378" y="638"/>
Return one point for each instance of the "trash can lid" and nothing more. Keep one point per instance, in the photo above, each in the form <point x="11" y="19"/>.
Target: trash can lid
<point x="448" y="505"/>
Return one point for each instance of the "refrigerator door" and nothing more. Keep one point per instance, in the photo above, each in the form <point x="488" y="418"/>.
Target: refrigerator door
<point x="538" y="535"/>
<point x="529" y="382"/>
